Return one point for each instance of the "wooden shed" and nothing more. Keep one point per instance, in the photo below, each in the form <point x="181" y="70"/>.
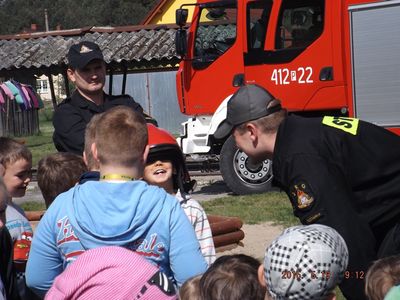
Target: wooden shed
<point x="127" y="50"/>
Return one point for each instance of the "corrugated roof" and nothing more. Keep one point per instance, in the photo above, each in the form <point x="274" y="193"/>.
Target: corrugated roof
<point x="135" y="47"/>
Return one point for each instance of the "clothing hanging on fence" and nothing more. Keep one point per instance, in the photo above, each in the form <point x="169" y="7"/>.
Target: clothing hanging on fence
<point x="7" y="91"/>
<point x="37" y="102"/>
<point x="2" y="99"/>
<point x="23" y="94"/>
<point x="26" y="101"/>
<point x="15" y="92"/>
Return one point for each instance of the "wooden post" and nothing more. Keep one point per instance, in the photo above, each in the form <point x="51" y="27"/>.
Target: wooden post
<point x="66" y="82"/>
<point x="124" y="79"/>
<point x="53" y="94"/>
<point x="110" y="81"/>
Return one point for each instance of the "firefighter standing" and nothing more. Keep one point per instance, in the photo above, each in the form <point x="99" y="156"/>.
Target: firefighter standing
<point x="337" y="171"/>
<point x="87" y="71"/>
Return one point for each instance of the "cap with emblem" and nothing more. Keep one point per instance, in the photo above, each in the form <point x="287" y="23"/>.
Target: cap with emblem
<point x="79" y="55"/>
<point x="111" y="273"/>
<point x="305" y="262"/>
<point x="248" y="103"/>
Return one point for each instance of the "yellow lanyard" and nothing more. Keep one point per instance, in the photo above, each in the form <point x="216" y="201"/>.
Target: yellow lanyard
<point x="117" y="177"/>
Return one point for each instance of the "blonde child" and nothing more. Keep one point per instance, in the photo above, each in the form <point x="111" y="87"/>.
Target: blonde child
<point x="16" y="161"/>
<point x="90" y="134"/>
<point x="382" y="280"/>
<point x="117" y="210"/>
<point x="190" y="290"/>
<point x="165" y="167"/>
<point x="92" y="165"/>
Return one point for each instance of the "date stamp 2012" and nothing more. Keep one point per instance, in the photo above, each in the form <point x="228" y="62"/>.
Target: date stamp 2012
<point x="324" y="275"/>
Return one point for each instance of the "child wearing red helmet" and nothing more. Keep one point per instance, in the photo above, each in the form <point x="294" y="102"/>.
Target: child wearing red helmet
<point x="166" y="168"/>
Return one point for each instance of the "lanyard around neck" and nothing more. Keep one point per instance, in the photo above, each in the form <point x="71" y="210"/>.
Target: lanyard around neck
<point x="117" y="177"/>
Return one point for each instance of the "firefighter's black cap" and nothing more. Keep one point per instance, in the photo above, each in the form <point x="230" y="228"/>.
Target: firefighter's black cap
<point x="79" y="55"/>
<point x="248" y="103"/>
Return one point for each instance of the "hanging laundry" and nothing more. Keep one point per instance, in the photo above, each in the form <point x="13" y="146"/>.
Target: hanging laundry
<point x="27" y="96"/>
<point x="23" y="94"/>
<point x="24" y="97"/>
<point x="18" y="109"/>
<point x="32" y="98"/>
<point x="37" y="101"/>
<point x="16" y="94"/>
<point x="2" y="97"/>
<point x="7" y="91"/>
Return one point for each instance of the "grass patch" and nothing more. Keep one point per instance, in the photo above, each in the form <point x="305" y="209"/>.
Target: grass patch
<point x="41" y="144"/>
<point x="253" y="209"/>
<point x="33" y="205"/>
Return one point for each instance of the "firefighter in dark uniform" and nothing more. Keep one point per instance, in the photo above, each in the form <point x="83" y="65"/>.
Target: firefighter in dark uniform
<point x="337" y="171"/>
<point x="87" y="71"/>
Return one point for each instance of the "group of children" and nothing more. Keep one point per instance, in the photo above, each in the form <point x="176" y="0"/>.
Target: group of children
<point x="132" y="189"/>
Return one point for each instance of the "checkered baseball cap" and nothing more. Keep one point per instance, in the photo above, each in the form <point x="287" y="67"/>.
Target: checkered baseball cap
<point x="305" y="262"/>
<point x="112" y="273"/>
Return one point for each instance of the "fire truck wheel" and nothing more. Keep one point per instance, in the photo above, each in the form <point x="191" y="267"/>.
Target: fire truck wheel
<point x="239" y="174"/>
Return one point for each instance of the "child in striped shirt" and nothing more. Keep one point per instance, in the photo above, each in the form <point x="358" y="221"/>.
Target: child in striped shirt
<point x="165" y="167"/>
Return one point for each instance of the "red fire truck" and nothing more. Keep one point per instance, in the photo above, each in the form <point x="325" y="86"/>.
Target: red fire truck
<point x="320" y="57"/>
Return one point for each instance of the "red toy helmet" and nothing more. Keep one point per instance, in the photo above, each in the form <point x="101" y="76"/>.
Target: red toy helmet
<point x="163" y="146"/>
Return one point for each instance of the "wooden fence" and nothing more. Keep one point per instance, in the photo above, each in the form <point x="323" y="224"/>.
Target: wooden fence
<point x="15" y="121"/>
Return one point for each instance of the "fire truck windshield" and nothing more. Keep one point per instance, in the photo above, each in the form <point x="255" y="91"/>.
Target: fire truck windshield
<point x="216" y="32"/>
<point x="300" y="23"/>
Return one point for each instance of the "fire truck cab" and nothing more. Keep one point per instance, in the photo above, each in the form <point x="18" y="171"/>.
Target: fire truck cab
<point x="319" y="57"/>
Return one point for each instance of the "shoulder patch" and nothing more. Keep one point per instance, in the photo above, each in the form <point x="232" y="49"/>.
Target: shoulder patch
<point x="301" y="195"/>
<point x="349" y="125"/>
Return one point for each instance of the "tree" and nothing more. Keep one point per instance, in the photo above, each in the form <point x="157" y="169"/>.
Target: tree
<point x="18" y="15"/>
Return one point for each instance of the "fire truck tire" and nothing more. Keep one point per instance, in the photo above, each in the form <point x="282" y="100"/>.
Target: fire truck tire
<point x="239" y="174"/>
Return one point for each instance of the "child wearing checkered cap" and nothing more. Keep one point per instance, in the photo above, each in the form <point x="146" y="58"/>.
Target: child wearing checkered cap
<point x="304" y="262"/>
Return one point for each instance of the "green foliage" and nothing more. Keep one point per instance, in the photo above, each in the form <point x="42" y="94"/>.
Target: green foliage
<point x="33" y="206"/>
<point x="42" y="143"/>
<point x="46" y="116"/>
<point x="253" y="209"/>
<point x="17" y="15"/>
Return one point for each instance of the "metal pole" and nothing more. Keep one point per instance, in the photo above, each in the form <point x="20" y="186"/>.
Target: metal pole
<point x="124" y="80"/>
<point x="110" y="83"/>
<point x="53" y="94"/>
<point x="46" y="20"/>
<point x="66" y="82"/>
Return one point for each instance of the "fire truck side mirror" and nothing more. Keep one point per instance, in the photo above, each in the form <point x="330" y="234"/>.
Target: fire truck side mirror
<point x="180" y="42"/>
<point x="181" y="16"/>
